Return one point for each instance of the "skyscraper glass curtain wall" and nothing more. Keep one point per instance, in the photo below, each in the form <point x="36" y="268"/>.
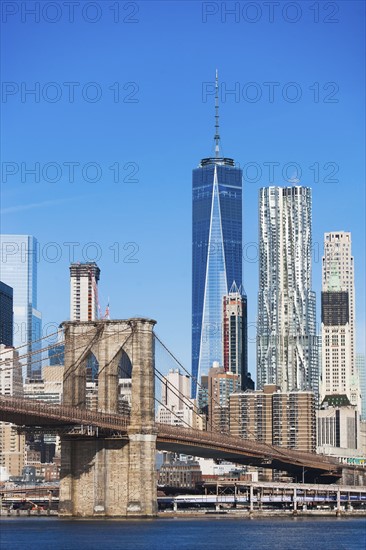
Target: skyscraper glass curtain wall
<point x="216" y="255"/>
<point x="19" y="270"/>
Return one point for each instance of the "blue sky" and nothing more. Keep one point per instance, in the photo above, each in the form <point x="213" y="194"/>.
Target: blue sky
<point x="160" y="57"/>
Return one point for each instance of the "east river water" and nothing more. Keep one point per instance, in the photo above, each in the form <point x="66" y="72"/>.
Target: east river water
<point x="188" y="534"/>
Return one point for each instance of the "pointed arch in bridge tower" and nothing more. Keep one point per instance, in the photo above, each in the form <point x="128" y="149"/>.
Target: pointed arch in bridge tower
<point x="124" y="366"/>
<point x="110" y="476"/>
<point x="91" y="382"/>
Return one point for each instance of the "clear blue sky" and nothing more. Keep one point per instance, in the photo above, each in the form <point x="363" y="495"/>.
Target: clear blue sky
<point x="166" y="56"/>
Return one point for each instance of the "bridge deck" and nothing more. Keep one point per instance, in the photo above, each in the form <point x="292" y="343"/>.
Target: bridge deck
<point x="26" y="412"/>
<point x="218" y="445"/>
<point x="29" y="412"/>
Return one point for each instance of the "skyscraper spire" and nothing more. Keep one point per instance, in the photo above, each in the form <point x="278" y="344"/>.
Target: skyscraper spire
<point x="217" y="135"/>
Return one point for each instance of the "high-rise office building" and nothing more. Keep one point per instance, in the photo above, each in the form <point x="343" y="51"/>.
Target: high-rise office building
<point x="84" y="279"/>
<point x="49" y="388"/>
<point x="287" y="354"/>
<point x="235" y="337"/>
<point x="175" y="389"/>
<point x="361" y="369"/>
<point x="221" y="385"/>
<point x="336" y="345"/>
<point x="177" y="408"/>
<point x="6" y="315"/>
<point x="338" y="429"/>
<point x="338" y="420"/>
<point x="202" y="396"/>
<point x="12" y="443"/>
<point x="56" y="355"/>
<point x="338" y="280"/>
<point x="19" y="258"/>
<point x="216" y="251"/>
<point x="11" y="381"/>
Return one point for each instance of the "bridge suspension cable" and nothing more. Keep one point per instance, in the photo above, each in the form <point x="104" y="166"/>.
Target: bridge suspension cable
<point x="257" y="446"/>
<point x="176" y="391"/>
<point x="42" y="359"/>
<point x="179" y="395"/>
<point x="29" y="343"/>
<point x="173" y="389"/>
<point x="173" y="413"/>
<point x="236" y="417"/>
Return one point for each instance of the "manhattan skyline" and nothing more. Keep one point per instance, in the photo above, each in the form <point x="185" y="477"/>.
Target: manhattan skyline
<point x="163" y="135"/>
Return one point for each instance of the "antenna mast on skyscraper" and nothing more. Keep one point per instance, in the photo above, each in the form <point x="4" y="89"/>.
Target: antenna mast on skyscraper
<point x="217" y="135"/>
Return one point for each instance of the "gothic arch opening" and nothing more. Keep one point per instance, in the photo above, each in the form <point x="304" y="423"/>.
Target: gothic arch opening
<point x="91" y="381"/>
<point x="124" y="374"/>
<point x="124" y="366"/>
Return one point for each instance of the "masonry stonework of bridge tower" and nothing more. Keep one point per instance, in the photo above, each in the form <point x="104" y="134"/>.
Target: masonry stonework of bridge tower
<point x="107" y="474"/>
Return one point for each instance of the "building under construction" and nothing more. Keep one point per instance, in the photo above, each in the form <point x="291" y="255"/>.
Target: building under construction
<point x="84" y="279"/>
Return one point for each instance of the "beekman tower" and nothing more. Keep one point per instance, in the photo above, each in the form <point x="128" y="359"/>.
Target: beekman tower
<point x="287" y="353"/>
<point x="216" y="251"/>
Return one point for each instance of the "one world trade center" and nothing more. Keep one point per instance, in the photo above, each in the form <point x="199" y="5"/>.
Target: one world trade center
<point x="216" y="251"/>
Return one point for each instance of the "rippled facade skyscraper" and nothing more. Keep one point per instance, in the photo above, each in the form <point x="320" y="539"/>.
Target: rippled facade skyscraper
<point x="216" y="252"/>
<point x="287" y="346"/>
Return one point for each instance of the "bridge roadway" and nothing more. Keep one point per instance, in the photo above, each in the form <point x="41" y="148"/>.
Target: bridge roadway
<point x="32" y="413"/>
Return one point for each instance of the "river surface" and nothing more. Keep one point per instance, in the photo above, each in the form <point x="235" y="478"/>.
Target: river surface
<point x="184" y="534"/>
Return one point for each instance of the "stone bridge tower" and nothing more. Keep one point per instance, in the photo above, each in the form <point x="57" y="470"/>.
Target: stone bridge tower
<point x="106" y="474"/>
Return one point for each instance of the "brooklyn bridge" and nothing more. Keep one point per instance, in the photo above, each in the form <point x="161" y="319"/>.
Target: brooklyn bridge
<point x="108" y="458"/>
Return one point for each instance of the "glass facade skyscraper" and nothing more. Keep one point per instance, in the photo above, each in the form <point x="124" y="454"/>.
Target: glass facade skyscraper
<point x="56" y="355"/>
<point x="216" y="251"/>
<point x="19" y="270"/>
<point x="6" y="315"/>
<point x="216" y="255"/>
